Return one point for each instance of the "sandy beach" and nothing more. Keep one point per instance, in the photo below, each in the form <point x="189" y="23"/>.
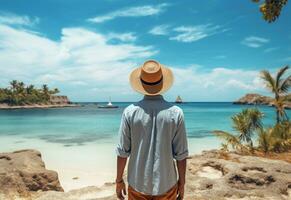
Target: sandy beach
<point x="7" y="107"/>
<point x="81" y="166"/>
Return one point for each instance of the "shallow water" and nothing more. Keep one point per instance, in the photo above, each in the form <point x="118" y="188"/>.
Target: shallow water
<point x="81" y="141"/>
<point x="78" y="126"/>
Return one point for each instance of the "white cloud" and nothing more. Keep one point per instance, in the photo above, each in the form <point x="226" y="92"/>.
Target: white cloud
<point x="218" y="84"/>
<point x="124" y="37"/>
<point x="271" y="49"/>
<point x="12" y="19"/>
<point x="86" y="66"/>
<point x="254" y="41"/>
<point x="160" y="30"/>
<point x="77" y="62"/>
<point x="139" y="11"/>
<point x="195" y="33"/>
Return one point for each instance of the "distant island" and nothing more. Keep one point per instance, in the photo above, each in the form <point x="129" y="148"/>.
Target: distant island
<point x="18" y="95"/>
<point x="257" y="99"/>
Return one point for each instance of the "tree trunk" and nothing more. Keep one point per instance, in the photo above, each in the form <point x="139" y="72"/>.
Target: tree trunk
<point x="277" y="109"/>
<point x="277" y="116"/>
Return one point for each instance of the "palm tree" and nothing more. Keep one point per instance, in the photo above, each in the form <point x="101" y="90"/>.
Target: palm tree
<point x="279" y="86"/>
<point x="54" y="91"/>
<point x="245" y="124"/>
<point x="265" y="140"/>
<point x="276" y="139"/>
<point x="45" y="91"/>
<point x="14" y="84"/>
<point x="19" y="94"/>
<point x="30" y="89"/>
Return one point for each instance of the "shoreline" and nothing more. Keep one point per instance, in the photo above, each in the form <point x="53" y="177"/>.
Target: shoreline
<point x="7" y="107"/>
<point x="92" y="163"/>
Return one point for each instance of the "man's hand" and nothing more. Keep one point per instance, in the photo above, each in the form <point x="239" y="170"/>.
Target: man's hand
<point x="120" y="189"/>
<point x="181" y="187"/>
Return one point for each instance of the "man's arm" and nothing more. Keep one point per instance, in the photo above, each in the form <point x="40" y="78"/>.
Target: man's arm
<point x="120" y="185"/>
<point x="123" y="151"/>
<point x="181" y="165"/>
<point x="180" y="153"/>
<point x="121" y="162"/>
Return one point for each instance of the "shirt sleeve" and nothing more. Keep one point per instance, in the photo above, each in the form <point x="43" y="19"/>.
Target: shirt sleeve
<point x="179" y="143"/>
<point x="124" y="145"/>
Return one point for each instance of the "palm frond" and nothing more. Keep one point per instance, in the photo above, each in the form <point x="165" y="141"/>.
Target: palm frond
<point x="246" y="122"/>
<point x="269" y="80"/>
<point x="264" y="139"/>
<point x="255" y="116"/>
<point x="285" y="85"/>
<point x="228" y="138"/>
<point x="280" y="74"/>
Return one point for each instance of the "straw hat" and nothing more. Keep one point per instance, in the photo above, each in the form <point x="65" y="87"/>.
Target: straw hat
<point x="151" y="78"/>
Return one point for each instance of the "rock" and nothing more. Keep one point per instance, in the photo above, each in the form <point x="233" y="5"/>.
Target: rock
<point x="214" y="175"/>
<point x="256" y="99"/>
<point x="58" y="99"/>
<point x="23" y="172"/>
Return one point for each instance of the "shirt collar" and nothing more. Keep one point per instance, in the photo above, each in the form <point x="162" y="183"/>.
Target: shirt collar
<point x="156" y="97"/>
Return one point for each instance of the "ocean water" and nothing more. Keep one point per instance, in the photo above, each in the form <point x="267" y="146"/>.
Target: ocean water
<point x="80" y="141"/>
<point x="86" y="124"/>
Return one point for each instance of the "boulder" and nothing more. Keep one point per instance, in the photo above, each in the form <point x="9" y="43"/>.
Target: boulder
<point x="217" y="175"/>
<point x="23" y="172"/>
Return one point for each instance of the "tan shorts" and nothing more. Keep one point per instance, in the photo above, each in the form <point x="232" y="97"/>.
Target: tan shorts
<point x="170" y="195"/>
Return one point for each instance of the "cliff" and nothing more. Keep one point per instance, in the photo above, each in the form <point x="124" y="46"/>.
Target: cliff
<point x="58" y="99"/>
<point x="256" y="99"/>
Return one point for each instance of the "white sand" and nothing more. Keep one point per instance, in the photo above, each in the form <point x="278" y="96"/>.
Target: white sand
<point x="93" y="163"/>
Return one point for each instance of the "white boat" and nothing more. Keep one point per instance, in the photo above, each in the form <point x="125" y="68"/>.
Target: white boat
<point x="109" y="105"/>
<point x="179" y="99"/>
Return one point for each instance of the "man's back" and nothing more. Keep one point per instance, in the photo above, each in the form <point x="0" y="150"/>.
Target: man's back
<point x="152" y="133"/>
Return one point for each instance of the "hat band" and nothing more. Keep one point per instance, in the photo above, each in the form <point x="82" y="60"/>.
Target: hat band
<point x="151" y="83"/>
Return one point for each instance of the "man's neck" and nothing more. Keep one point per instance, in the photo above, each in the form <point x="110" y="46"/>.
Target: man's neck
<point x="153" y="97"/>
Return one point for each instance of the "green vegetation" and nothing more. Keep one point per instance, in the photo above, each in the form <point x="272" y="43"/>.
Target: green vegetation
<point x="279" y="87"/>
<point x="275" y="139"/>
<point x="249" y="121"/>
<point x="245" y="124"/>
<point x="271" y="9"/>
<point x="20" y="94"/>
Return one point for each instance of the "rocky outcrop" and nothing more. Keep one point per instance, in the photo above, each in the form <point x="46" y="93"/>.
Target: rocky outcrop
<point x="216" y="175"/>
<point x="256" y="99"/>
<point x="212" y="175"/>
<point x="23" y="172"/>
<point x="58" y="99"/>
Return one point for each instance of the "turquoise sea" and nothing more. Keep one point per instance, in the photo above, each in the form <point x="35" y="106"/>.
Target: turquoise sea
<point x="80" y="141"/>
<point x="86" y="124"/>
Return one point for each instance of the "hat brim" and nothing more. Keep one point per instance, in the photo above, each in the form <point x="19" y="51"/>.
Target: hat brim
<point x="151" y="90"/>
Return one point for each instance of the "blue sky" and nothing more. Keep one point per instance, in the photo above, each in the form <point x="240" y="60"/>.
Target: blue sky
<point x="87" y="49"/>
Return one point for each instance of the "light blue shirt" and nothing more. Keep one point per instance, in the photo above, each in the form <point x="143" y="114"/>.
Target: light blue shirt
<point x="152" y="134"/>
